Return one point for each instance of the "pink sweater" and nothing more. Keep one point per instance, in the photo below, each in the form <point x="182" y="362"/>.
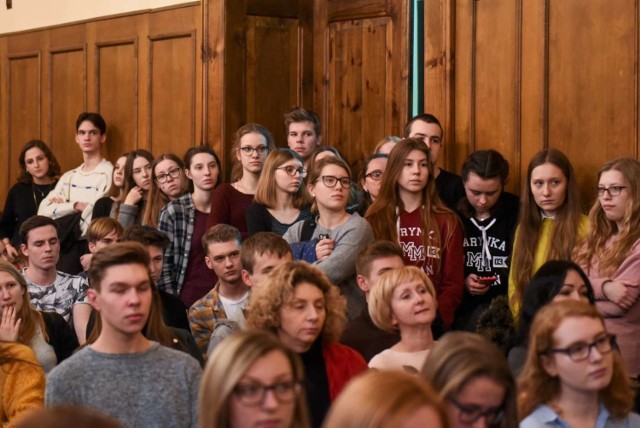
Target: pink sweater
<point x="624" y="324"/>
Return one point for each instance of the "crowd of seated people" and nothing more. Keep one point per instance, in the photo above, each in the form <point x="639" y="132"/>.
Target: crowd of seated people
<point x="149" y="292"/>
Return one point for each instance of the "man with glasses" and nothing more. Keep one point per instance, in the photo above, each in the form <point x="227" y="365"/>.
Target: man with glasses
<point x="138" y="382"/>
<point x="221" y="311"/>
<point x="304" y="132"/>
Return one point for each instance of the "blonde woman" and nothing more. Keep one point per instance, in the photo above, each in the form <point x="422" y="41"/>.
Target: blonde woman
<point x="404" y="300"/>
<point x="473" y="378"/>
<point x="381" y="399"/>
<point x="253" y="379"/>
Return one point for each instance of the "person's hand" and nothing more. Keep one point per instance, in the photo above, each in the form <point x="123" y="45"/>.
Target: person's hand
<point x="623" y="295"/>
<point x="10" y="253"/>
<point x="9" y="326"/>
<point x="474" y="286"/>
<point x="134" y="196"/>
<point x="57" y="200"/>
<point x="324" y="248"/>
<point x="85" y="261"/>
<point x="79" y="206"/>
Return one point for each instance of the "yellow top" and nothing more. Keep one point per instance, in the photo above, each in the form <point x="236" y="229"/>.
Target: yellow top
<point x="540" y="256"/>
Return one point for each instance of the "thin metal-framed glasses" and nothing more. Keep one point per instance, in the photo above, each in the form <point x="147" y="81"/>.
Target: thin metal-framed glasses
<point x="260" y="150"/>
<point x="330" y="181"/>
<point x="292" y="170"/>
<point x="173" y="173"/>
<point x="253" y="394"/>
<point x="581" y="351"/>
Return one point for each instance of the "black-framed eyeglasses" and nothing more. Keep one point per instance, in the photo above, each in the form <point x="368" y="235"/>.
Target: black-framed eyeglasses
<point x="330" y="181"/>
<point x="292" y="170"/>
<point x="611" y="190"/>
<point x="253" y="394"/>
<point x="470" y="413"/>
<point x="260" y="150"/>
<point x="581" y="351"/>
<point x="173" y="173"/>
<point x="375" y="175"/>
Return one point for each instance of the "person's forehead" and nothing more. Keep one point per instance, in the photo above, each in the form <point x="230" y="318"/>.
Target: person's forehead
<point x="43" y="232"/>
<point x="425" y="128"/>
<point x="219" y="248"/>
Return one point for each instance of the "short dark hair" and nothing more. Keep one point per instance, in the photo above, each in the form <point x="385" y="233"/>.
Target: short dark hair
<point x="147" y="236"/>
<point x="424" y="117"/>
<point x="374" y="251"/>
<point x="95" y="118"/>
<point x="299" y="114"/>
<point x="121" y="253"/>
<point x="486" y="164"/>
<point x="259" y="244"/>
<point x="35" y="222"/>
<point x="220" y="233"/>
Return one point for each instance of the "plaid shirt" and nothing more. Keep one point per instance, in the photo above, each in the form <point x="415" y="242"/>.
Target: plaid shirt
<point x="203" y="315"/>
<point x="177" y="220"/>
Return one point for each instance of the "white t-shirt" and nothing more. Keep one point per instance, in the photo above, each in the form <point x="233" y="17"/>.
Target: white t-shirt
<point x="234" y="308"/>
<point x="394" y="360"/>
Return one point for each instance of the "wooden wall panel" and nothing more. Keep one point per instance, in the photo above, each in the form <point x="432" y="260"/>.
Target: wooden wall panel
<point x="23" y="112"/>
<point x="593" y="82"/>
<point x="273" y="72"/>
<point x="172" y="96"/>
<point x="67" y="95"/>
<point x="117" y="93"/>
<point x="362" y="77"/>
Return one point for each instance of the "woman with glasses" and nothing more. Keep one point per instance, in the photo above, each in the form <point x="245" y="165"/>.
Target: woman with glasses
<point x="38" y="174"/>
<point x="611" y="254"/>
<point x="573" y="377"/>
<point x="408" y="210"/>
<point x="371" y="177"/>
<point x="299" y="304"/>
<point x="184" y="220"/>
<point x="404" y="300"/>
<point x="168" y="183"/>
<point x="489" y="217"/>
<point x="281" y="198"/>
<point x="379" y="399"/>
<point x="340" y="235"/>
<point x="252" y="379"/>
<point x="551" y="223"/>
<point x="251" y="146"/>
<point x="473" y="378"/>
<point x="137" y="182"/>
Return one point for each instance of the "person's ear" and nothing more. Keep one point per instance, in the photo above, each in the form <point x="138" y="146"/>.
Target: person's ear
<point x="208" y="262"/>
<point x="549" y="365"/>
<point x="92" y="295"/>
<point x="25" y="250"/>
<point x="363" y="283"/>
<point x="188" y="173"/>
<point x="310" y="190"/>
<point x="92" y="247"/>
<point x="246" y="278"/>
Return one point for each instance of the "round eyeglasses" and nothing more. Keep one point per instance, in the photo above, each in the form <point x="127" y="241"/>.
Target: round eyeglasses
<point x="173" y="173"/>
<point x="375" y="175"/>
<point x="292" y="170"/>
<point x="330" y="181"/>
<point x="260" y="150"/>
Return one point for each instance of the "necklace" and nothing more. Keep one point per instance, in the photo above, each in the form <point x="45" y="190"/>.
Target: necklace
<point x="41" y="195"/>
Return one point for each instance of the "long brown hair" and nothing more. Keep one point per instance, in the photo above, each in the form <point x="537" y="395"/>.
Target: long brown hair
<point x="128" y="181"/>
<point x="564" y="236"/>
<point x="601" y="228"/>
<point x="236" y="169"/>
<point x="156" y="197"/>
<point x="536" y="386"/>
<point x="266" y="190"/>
<point x="31" y="318"/>
<point x="383" y="212"/>
<point x="54" y="168"/>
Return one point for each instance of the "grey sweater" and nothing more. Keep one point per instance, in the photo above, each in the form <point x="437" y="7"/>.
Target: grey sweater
<point x="350" y="237"/>
<point x="154" y="388"/>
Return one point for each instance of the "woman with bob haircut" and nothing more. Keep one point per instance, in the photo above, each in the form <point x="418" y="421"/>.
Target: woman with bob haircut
<point x="556" y="280"/>
<point x="281" y="198"/>
<point x="381" y="399"/>
<point x="299" y="304"/>
<point x="46" y="333"/>
<point x="252" y="378"/>
<point x="489" y="218"/>
<point x="573" y="376"/>
<point x="473" y="378"/>
<point x="37" y="176"/>
<point x="404" y="300"/>
<point x="611" y="254"/>
<point x="551" y="223"/>
<point x="408" y="200"/>
<point x="168" y="183"/>
<point x="137" y="182"/>
<point x="251" y="145"/>
<point x="340" y="234"/>
<point x="184" y="221"/>
<point x="105" y="206"/>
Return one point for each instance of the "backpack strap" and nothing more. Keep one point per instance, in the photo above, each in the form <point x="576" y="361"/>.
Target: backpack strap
<point x="308" y="227"/>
